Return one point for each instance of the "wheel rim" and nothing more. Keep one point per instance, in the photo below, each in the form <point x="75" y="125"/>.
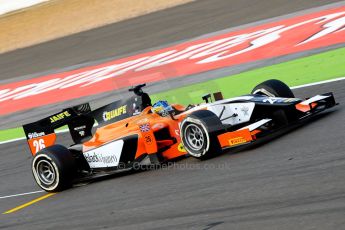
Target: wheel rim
<point x="195" y="137"/>
<point x="46" y="172"/>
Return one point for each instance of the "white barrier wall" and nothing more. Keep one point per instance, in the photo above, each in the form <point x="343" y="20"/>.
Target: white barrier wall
<point x="7" y="6"/>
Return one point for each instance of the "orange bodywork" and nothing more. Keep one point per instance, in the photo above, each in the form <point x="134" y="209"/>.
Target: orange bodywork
<point x="234" y="138"/>
<point x="305" y="108"/>
<point x="145" y="125"/>
<point x="147" y="143"/>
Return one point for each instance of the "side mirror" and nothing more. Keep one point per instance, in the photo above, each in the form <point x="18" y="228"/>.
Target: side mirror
<point x="218" y="96"/>
<point x="207" y="97"/>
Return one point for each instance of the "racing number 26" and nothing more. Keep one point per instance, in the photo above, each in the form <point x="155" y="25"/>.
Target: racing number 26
<point x="148" y="139"/>
<point x="39" y="144"/>
<point x="36" y="144"/>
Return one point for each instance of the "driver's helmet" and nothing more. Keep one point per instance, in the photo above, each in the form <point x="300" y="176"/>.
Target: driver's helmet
<point x="162" y="108"/>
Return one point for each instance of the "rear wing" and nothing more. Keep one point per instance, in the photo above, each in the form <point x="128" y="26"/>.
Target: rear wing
<point x="80" y="120"/>
<point x="41" y="134"/>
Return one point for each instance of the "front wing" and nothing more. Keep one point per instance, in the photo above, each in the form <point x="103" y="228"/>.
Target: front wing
<point x="305" y="110"/>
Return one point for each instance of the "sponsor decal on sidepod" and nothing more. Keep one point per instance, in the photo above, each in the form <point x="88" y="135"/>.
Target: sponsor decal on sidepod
<point x="105" y="156"/>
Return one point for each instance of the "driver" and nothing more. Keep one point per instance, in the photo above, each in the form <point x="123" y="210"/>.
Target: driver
<point x="162" y="108"/>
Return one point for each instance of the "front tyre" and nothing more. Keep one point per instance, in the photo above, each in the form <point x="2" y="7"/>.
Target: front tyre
<point x="54" y="168"/>
<point x="273" y="88"/>
<point x="199" y="134"/>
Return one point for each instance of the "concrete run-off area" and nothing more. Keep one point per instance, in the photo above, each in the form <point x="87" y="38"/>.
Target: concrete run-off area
<point x="59" y="18"/>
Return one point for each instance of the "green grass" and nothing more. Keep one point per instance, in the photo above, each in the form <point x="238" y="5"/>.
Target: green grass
<point x="319" y="67"/>
<point x="324" y="66"/>
<point x="14" y="133"/>
<point x="10" y="134"/>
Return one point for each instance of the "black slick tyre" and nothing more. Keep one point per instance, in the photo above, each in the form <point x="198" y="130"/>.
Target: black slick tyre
<point x="199" y="134"/>
<point x="273" y="88"/>
<point x="54" y="168"/>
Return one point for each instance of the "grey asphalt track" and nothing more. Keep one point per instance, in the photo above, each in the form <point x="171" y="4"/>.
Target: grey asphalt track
<point x="294" y="182"/>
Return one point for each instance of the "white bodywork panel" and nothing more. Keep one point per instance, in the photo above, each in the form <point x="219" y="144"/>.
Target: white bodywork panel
<point x="233" y="113"/>
<point x="242" y="98"/>
<point x="314" y="99"/>
<point x="243" y="110"/>
<point x="256" y="125"/>
<point x="107" y="155"/>
<point x="204" y="105"/>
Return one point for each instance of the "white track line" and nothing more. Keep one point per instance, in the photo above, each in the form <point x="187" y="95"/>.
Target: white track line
<point x="294" y="87"/>
<point x="21" y="194"/>
<point x="13" y="140"/>
<point x="23" y="138"/>
<point x="318" y="83"/>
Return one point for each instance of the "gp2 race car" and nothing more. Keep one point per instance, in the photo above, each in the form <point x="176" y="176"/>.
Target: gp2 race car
<point x="132" y="132"/>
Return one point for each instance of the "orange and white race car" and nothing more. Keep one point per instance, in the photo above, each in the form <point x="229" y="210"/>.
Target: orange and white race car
<point x="133" y="132"/>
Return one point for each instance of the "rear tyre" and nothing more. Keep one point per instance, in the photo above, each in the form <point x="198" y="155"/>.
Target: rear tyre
<point x="54" y="168"/>
<point x="273" y="88"/>
<point x="199" y="134"/>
